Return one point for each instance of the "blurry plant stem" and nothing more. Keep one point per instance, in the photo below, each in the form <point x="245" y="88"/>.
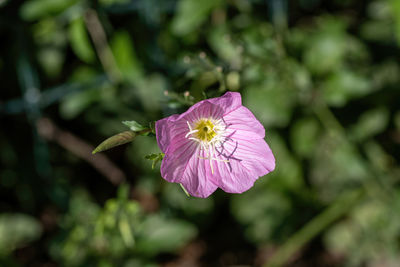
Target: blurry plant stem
<point x="342" y="204"/>
<point x="340" y="207"/>
<point x="48" y="130"/>
<point x="188" y="101"/>
<point x="104" y="52"/>
<point x="377" y="185"/>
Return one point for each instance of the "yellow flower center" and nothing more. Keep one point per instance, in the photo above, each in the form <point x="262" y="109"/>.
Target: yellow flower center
<point x="205" y="130"/>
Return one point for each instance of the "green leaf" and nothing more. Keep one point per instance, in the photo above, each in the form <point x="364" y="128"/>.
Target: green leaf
<point x="123" y="192"/>
<point x="271" y="101"/>
<point x="233" y="81"/>
<point x="336" y="167"/>
<point x="222" y="45"/>
<point x="17" y="230"/>
<point x="371" y="123"/>
<point x="51" y="60"/>
<point x="191" y="14"/>
<point x="155" y="157"/>
<point x="107" y="3"/>
<point x="74" y="104"/>
<point x="116" y="140"/>
<point x="126" y="231"/>
<point x="150" y="92"/>
<point x="262" y="212"/>
<point x="395" y="7"/>
<point x="330" y="42"/>
<point x="343" y="86"/>
<point x="79" y="40"/>
<point x="304" y="136"/>
<point x="35" y="9"/>
<point x="125" y="56"/>
<point x="151" y="156"/>
<point x="134" y="126"/>
<point x="159" y="234"/>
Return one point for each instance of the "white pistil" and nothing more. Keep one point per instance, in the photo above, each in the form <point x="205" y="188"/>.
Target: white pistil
<point x="209" y="147"/>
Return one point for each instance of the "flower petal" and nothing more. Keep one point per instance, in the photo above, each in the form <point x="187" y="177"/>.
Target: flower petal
<point x="184" y="164"/>
<point x="176" y="159"/>
<point x="228" y="102"/>
<point x="241" y="124"/>
<point x="163" y="132"/>
<point x="248" y="160"/>
<point x="205" y="109"/>
<point x="219" y="106"/>
<point x="197" y="178"/>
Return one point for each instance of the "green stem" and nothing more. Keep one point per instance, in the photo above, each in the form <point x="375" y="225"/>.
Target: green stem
<point x="375" y="186"/>
<point x="340" y="207"/>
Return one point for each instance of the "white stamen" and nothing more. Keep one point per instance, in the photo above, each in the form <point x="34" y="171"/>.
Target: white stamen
<point x="209" y="147"/>
<point x="191" y="132"/>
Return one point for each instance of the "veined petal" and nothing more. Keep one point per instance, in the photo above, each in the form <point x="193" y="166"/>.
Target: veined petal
<point x="228" y="102"/>
<point x="163" y="132"/>
<point x="211" y="107"/>
<point x="176" y="160"/>
<point x="197" y="178"/>
<point x="242" y="124"/>
<point x="204" y="110"/>
<point x="184" y="164"/>
<point x="248" y="160"/>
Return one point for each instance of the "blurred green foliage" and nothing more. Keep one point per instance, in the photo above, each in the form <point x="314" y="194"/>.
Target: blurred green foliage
<point x="321" y="76"/>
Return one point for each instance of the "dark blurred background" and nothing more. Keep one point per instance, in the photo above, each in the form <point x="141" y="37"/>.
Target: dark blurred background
<point x="322" y="77"/>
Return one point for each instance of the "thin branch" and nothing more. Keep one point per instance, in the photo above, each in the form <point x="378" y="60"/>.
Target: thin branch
<point x="48" y="130"/>
<point x="99" y="38"/>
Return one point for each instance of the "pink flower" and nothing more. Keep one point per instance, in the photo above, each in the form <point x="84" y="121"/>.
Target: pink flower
<point x="216" y="143"/>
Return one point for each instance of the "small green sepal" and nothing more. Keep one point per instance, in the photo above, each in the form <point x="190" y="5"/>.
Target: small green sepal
<point x="115" y="140"/>
<point x="184" y="190"/>
<point x="155" y="157"/>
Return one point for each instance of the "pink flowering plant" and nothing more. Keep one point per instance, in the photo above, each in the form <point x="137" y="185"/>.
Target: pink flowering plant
<point x="216" y="143"/>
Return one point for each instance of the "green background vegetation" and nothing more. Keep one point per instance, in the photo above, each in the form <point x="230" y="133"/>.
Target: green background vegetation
<point x="322" y="76"/>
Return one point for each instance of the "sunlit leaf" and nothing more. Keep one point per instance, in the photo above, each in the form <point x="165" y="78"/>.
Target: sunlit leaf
<point x="74" y="104"/>
<point x="371" y="123"/>
<point x="51" y="60"/>
<point x="191" y="14"/>
<point x="220" y="41"/>
<point x="35" y="9"/>
<point x="159" y="234"/>
<point x="336" y="167"/>
<point x="271" y="102"/>
<point x="17" y="230"/>
<point x="343" y="86"/>
<point x="155" y="158"/>
<point x="125" y="56"/>
<point x="79" y="40"/>
<point x="395" y="8"/>
<point x="369" y="234"/>
<point x="304" y="136"/>
<point x="134" y="125"/>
